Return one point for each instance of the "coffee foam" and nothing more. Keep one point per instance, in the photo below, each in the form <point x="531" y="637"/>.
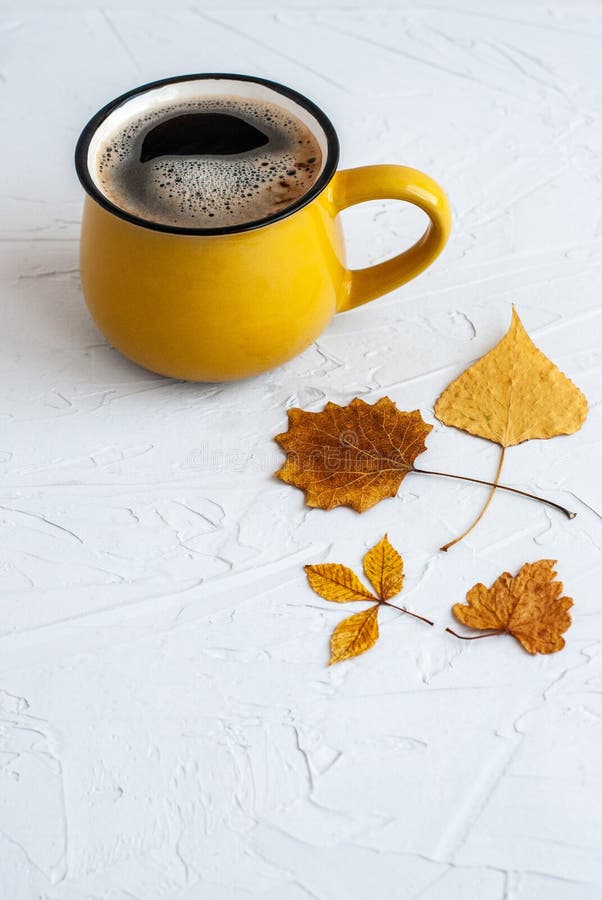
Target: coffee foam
<point x="210" y="190"/>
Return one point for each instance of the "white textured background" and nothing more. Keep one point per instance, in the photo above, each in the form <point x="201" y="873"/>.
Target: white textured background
<point x="169" y="729"/>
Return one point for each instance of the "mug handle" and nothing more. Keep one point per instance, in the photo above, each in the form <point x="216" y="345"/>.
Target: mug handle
<point x="351" y="186"/>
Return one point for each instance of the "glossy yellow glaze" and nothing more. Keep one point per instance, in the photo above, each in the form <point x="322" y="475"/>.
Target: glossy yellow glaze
<point x="221" y="308"/>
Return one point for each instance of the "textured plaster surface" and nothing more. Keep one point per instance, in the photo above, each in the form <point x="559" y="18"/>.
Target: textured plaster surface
<point x="169" y="729"/>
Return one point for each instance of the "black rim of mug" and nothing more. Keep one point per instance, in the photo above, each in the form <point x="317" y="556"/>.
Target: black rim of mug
<point x="83" y="144"/>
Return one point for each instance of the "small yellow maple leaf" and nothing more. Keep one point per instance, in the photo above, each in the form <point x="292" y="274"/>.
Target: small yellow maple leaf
<point x="383" y="565"/>
<point x="527" y="605"/>
<point x="352" y="455"/>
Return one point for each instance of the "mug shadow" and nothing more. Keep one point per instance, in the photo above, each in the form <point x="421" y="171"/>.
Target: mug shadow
<point x="63" y="338"/>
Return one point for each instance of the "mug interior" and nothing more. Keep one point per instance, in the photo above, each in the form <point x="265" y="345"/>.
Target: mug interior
<point x="171" y="91"/>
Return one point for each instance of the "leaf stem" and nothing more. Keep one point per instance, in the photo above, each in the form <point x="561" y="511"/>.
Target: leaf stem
<point x="461" y="637"/>
<point x="407" y="612"/>
<point x="496" y="481"/>
<point x="474" y="637"/>
<point x="501" y="487"/>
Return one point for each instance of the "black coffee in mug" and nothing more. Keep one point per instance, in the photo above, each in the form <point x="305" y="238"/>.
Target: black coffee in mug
<point x="208" y="161"/>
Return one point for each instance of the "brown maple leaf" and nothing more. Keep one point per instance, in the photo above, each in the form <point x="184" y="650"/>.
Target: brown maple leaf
<point x="384" y="567"/>
<point x="527" y="605"/>
<point x="352" y="455"/>
<point x="512" y="394"/>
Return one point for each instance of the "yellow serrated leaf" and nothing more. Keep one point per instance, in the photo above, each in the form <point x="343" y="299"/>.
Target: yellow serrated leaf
<point x="384" y="568"/>
<point x="354" y="635"/>
<point x="337" y="583"/>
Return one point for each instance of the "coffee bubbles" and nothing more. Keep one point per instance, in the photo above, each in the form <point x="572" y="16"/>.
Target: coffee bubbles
<point x="208" y="162"/>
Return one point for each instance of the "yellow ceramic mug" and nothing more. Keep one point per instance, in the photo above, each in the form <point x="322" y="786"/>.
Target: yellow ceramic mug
<point x="218" y="304"/>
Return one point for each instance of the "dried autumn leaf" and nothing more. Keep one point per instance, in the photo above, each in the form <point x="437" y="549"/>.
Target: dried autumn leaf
<point x="354" y="635"/>
<point x="527" y="605"/>
<point x="384" y="568"/>
<point x="512" y="394"/>
<point x="335" y="582"/>
<point x="352" y="455"/>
